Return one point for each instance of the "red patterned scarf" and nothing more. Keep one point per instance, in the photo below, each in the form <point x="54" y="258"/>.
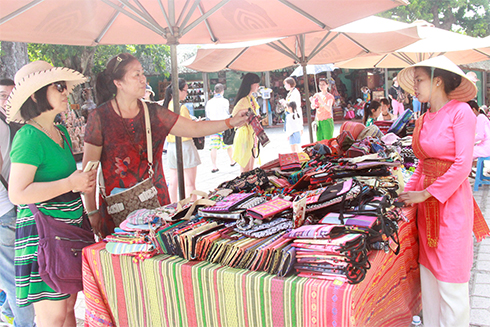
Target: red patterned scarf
<point x="432" y="168"/>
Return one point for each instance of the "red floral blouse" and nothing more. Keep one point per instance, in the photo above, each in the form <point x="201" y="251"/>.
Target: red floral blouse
<point x="124" y="157"/>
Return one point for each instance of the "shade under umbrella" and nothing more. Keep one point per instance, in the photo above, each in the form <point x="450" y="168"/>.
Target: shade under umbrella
<point x="93" y="22"/>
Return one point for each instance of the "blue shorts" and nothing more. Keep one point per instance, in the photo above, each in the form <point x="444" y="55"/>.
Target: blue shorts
<point x="295" y="138"/>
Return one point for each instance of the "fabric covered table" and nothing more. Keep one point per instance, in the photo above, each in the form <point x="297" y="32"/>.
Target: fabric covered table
<point x="170" y="291"/>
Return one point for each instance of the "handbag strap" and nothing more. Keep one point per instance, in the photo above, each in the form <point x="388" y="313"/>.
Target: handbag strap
<point x="149" y="143"/>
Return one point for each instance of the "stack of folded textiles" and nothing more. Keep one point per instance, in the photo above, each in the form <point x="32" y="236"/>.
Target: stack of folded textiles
<point x="328" y="252"/>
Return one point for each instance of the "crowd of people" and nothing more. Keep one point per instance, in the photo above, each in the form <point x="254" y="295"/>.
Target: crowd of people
<point x="39" y="164"/>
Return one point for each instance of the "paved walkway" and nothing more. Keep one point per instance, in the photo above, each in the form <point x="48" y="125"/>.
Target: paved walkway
<point x="206" y="181"/>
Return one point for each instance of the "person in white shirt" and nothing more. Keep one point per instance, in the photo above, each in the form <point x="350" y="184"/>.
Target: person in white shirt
<point x="293" y="126"/>
<point x="218" y="108"/>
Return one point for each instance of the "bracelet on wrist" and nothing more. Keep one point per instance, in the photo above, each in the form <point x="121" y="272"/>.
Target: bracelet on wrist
<point x="92" y="212"/>
<point x="227" y="122"/>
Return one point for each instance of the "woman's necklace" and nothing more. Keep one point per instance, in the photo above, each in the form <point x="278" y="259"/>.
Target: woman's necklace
<point x="432" y="117"/>
<point x="60" y="142"/>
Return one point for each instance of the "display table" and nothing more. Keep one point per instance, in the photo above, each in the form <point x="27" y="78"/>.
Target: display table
<point x="170" y="291"/>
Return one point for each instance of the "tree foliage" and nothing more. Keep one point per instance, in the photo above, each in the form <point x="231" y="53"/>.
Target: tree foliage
<point x="471" y="17"/>
<point x="92" y="60"/>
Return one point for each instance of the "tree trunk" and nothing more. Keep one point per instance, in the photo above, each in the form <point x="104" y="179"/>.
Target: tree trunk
<point x="15" y="56"/>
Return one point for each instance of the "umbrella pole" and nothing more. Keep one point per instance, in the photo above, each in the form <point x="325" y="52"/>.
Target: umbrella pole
<point x="307" y="94"/>
<point x="176" y="103"/>
<point x="386" y="83"/>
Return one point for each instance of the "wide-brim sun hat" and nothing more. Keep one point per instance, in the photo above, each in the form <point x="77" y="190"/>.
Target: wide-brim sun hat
<point x="464" y="92"/>
<point x="33" y="77"/>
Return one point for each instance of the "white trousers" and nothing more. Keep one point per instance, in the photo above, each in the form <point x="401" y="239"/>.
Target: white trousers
<point x="444" y="304"/>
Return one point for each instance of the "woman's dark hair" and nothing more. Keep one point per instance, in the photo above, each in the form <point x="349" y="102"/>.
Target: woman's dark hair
<point x="105" y="89"/>
<point x="169" y="90"/>
<point x="293" y="106"/>
<point x="246" y="86"/>
<point x="32" y="109"/>
<point x="476" y="107"/>
<point x="291" y="82"/>
<point x="385" y="101"/>
<point x="450" y="79"/>
<point x="368" y="110"/>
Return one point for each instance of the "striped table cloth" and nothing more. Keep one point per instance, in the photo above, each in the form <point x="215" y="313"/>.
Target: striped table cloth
<point x="170" y="291"/>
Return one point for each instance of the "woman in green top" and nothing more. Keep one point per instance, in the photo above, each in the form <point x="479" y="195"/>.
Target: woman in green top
<point x="371" y="112"/>
<point x="43" y="172"/>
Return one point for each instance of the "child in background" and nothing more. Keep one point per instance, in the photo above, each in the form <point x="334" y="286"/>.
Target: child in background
<point x="349" y="112"/>
<point x="359" y="108"/>
<point x="293" y="126"/>
<point x="385" y="110"/>
<point x="371" y="112"/>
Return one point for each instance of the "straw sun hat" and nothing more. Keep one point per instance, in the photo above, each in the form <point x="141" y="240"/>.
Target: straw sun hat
<point x="33" y="77"/>
<point x="464" y="92"/>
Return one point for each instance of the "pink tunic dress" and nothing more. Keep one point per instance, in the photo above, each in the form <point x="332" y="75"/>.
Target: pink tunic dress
<point x="482" y="149"/>
<point x="448" y="135"/>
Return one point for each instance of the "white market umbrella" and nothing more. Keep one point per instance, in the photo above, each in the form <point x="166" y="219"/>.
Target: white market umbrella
<point x="460" y="49"/>
<point x="93" y="22"/>
<point x="367" y="35"/>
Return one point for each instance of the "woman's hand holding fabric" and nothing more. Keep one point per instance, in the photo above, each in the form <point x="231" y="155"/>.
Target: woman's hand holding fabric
<point x="83" y="181"/>
<point x="413" y="197"/>
<point x="240" y="119"/>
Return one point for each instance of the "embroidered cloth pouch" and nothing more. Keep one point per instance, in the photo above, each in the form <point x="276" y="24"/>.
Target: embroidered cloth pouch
<point x="289" y="161"/>
<point x="327" y="196"/>
<point x="247" y="181"/>
<point x="219" y="215"/>
<point x="349" y="220"/>
<point x="267" y="229"/>
<point x="269" y="209"/>
<point x="317" y="231"/>
<point x="229" y="203"/>
<point x="303" y="157"/>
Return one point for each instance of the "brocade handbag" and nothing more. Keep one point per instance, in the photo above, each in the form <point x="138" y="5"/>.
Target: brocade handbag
<point x="143" y="195"/>
<point x="60" y="251"/>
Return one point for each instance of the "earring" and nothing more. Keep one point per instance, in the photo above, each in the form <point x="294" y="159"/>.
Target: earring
<point x="437" y="84"/>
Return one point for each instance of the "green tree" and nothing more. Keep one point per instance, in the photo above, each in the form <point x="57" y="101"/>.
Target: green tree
<point x="471" y="17"/>
<point x="92" y="60"/>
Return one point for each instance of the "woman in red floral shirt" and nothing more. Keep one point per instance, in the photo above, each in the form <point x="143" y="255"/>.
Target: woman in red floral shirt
<point x="115" y="134"/>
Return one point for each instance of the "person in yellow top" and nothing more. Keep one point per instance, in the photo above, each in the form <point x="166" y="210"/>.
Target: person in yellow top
<point x="245" y="142"/>
<point x="190" y="156"/>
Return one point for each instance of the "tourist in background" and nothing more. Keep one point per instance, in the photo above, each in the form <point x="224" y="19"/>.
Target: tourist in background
<point x="218" y="108"/>
<point x="245" y="146"/>
<point x="293" y="127"/>
<point x="323" y="102"/>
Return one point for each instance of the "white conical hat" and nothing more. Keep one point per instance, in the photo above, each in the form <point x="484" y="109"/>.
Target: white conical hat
<point x="464" y="92"/>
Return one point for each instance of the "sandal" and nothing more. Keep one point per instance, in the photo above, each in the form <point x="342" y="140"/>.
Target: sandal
<point x="215" y="170"/>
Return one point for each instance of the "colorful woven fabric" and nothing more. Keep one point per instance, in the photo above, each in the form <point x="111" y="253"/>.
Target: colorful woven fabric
<point x="170" y="291"/>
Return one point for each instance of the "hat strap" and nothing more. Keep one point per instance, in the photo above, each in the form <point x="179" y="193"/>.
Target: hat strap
<point x="431" y="81"/>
